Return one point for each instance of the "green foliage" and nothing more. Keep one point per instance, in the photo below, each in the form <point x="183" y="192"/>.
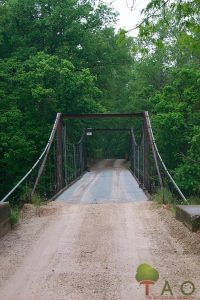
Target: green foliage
<point x="67" y="57"/>
<point x="44" y="85"/>
<point x="146" y="273"/>
<point x="54" y="57"/>
<point x="165" y="196"/>
<point x="169" y="44"/>
<point x="105" y="144"/>
<point x="36" y="200"/>
<point x="194" y="200"/>
<point x="14" y="216"/>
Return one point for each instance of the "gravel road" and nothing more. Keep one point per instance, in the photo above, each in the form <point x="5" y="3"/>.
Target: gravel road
<point x="87" y="248"/>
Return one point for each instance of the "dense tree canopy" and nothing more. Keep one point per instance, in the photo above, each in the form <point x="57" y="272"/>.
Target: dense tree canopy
<point x="170" y="35"/>
<point x="67" y="56"/>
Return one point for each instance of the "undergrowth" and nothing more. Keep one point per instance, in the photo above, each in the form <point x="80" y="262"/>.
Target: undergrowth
<point x="37" y="202"/>
<point x="194" y="200"/>
<point x="14" y="216"/>
<point x="165" y="197"/>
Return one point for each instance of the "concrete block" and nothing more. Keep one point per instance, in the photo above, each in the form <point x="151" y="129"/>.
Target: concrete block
<point x="4" y="218"/>
<point x="4" y="227"/>
<point x="189" y="215"/>
<point x="4" y="211"/>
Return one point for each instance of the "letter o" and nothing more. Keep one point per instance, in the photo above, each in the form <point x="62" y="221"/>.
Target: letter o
<point x="188" y="283"/>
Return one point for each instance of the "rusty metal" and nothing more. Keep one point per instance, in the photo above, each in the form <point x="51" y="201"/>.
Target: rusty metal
<point x="65" y="152"/>
<point x="62" y="162"/>
<point x="74" y="161"/>
<point x="41" y="169"/>
<point x="102" y="116"/>
<point x="108" y="129"/>
<point x="151" y="135"/>
<point x="59" y="156"/>
<point x="146" y="180"/>
<point x="146" y="120"/>
<point x="140" y="156"/>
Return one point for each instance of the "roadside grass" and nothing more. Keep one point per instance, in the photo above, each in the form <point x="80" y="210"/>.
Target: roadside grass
<point x="14" y="216"/>
<point x="37" y="202"/>
<point x="25" y="195"/>
<point x="165" y="197"/>
<point x="194" y="200"/>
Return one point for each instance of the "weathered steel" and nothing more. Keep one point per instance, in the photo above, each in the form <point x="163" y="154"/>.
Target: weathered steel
<point x="107" y="129"/>
<point x="151" y="140"/>
<point x="69" y="161"/>
<point x="146" y="114"/>
<point x="146" y="178"/>
<point x="102" y="116"/>
<point x="59" y="156"/>
<point x="37" y="162"/>
<point x="65" y="151"/>
<point x="41" y="169"/>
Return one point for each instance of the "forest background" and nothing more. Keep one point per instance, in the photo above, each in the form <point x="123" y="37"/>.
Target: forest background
<point x="66" y="56"/>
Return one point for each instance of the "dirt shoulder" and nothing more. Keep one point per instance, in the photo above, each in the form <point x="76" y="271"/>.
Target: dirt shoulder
<point x="92" y="251"/>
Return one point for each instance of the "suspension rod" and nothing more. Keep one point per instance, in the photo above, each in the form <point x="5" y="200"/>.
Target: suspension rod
<point x="46" y="155"/>
<point x="39" y="159"/>
<point x="160" y="158"/>
<point x="154" y="151"/>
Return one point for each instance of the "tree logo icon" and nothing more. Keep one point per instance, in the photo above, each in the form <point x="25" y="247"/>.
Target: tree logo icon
<point x="146" y="275"/>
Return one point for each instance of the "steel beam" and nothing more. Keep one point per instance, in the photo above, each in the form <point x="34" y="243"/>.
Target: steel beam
<point x="107" y="129"/>
<point x="102" y="116"/>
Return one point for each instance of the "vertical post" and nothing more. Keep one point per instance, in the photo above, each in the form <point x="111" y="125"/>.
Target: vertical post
<point x="146" y="181"/>
<point x="74" y="154"/>
<point x="131" y="155"/>
<point x="138" y="158"/>
<point x="134" y="160"/>
<point x="65" y="152"/>
<point x="81" y="159"/>
<point x="59" y="156"/>
<point x="85" y="153"/>
<point x="142" y="158"/>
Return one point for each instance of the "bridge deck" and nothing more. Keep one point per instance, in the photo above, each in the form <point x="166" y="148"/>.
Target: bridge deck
<point x="109" y="181"/>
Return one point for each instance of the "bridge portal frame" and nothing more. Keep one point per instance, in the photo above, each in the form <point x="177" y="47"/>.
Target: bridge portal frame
<point x="139" y="115"/>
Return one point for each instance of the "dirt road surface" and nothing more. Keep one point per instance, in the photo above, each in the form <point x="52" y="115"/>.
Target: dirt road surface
<point x="86" y="248"/>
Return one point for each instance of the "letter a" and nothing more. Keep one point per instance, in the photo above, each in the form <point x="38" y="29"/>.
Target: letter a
<point x="167" y="289"/>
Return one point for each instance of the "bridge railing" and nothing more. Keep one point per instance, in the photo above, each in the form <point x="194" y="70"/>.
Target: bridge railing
<point x="147" y="164"/>
<point x="21" y="192"/>
<point x="167" y="179"/>
<point x="62" y="162"/>
<point x="59" y="164"/>
<point x="75" y="160"/>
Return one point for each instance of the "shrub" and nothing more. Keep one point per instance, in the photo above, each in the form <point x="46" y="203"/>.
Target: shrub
<point x="37" y="202"/>
<point x="164" y="196"/>
<point x="14" y="216"/>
